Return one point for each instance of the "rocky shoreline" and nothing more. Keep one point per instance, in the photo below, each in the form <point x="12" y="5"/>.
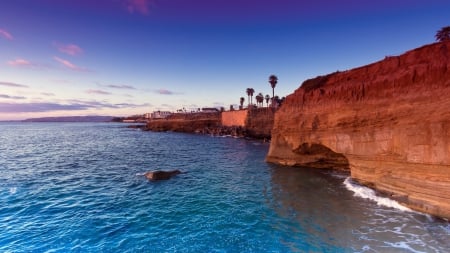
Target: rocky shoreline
<point x="257" y="124"/>
<point x="232" y="131"/>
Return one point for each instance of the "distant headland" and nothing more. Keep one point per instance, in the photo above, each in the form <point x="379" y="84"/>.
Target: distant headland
<point x="72" y="119"/>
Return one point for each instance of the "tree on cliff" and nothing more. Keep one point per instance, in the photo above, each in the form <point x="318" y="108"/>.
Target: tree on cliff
<point x="443" y="34"/>
<point x="276" y="101"/>
<point x="273" y="80"/>
<point x="250" y="92"/>
<point x="267" y="99"/>
<point x="241" y="101"/>
<point x="260" y="99"/>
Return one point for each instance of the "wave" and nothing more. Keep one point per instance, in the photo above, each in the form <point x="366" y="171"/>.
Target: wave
<point x="367" y="193"/>
<point x="13" y="190"/>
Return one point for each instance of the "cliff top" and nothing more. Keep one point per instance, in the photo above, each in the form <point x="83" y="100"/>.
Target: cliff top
<point x="435" y="53"/>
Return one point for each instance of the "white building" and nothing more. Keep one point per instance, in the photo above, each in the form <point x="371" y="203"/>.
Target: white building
<point x="160" y="114"/>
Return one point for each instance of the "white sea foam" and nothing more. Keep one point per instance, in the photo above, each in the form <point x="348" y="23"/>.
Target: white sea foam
<point x="403" y="245"/>
<point x="367" y="193"/>
<point x="12" y="190"/>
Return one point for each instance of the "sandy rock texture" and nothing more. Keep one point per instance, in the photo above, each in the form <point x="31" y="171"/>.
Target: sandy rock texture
<point x="387" y="122"/>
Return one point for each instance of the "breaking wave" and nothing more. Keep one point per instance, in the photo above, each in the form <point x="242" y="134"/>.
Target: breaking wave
<point x="367" y="193"/>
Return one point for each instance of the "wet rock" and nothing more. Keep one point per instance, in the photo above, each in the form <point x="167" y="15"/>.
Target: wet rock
<point x="161" y="175"/>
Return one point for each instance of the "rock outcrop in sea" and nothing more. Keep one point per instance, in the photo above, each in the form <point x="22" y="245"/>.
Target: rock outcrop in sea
<point x="387" y="122"/>
<point x="161" y="174"/>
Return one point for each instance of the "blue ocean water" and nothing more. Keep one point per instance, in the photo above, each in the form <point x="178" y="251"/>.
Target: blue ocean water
<point x="79" y="187"/>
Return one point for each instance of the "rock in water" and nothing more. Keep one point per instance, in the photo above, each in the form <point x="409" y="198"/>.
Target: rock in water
<point x="161" y="175"/>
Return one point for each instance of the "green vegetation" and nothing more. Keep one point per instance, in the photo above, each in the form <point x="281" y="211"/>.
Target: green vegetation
<point x="443" y="34"/>
<point x="273" y="80"/>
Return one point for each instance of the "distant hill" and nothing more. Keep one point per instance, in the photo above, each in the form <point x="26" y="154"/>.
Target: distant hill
<point x="72" y="119"/>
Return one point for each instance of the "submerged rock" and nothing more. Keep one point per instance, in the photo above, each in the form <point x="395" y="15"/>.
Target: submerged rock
<point x="161" y="175"/>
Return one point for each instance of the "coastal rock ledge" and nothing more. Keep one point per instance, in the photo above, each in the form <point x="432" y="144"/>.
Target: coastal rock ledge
<point x="387" y="122"/>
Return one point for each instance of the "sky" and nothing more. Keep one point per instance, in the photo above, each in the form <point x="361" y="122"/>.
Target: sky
<point x="128" y="57"/>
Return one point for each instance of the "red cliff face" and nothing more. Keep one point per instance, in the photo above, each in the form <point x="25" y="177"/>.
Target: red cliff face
<point x="387" y="122"/>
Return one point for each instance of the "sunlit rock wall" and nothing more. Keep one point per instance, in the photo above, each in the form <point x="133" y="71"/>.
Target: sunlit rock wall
<point x="388" y="122"/>
<point x="234" y="118"/>
<point x="259" y="122"/>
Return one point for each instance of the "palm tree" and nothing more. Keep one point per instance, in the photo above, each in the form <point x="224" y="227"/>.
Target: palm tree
<point x="267" y="99"/>
<point x="257" y="100"/>
<point x="443" y="34"/>
<point x="242" y="102"/>
<point x="276" y="101"/>
<point x="250" y="92"/>
<point x="273" y="80"/>
<point x="260" y="99"/>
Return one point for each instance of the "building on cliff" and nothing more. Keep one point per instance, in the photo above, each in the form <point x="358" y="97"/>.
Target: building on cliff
<point x="160" y="114"/>
<point x="388" y="123"/>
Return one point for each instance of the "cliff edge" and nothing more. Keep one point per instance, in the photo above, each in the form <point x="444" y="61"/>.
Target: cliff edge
<point x="387" y="122"/>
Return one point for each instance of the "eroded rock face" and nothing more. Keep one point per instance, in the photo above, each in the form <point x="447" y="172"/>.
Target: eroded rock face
<point x="387" y="122"/>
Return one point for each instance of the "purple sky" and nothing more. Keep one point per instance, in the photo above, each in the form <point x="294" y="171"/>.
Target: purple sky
<point x="124" y="57"/>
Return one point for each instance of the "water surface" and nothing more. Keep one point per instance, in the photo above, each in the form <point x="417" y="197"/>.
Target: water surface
<point x="80" y="187"/>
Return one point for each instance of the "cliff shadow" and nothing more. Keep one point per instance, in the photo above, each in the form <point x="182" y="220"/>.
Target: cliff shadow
<point x="318" y="201"/>
<point x="319" y="156"/>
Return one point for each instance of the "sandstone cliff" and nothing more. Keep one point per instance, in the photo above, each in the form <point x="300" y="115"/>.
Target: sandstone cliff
<point x="259" y="122"/>
<point x="387" y="122"/>
<point x="255" y="123"/>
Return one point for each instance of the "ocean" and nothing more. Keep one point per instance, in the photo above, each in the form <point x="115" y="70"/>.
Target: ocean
<point x="80" y="187"/>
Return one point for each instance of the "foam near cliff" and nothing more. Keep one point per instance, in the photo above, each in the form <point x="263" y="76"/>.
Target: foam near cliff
<point x="387" y="122"/>
<point x="367" y="193"/>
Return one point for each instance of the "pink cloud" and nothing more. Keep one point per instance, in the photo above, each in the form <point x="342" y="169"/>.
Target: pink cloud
<point x="140" y="6"/>
<point x="23" y="63"/>
<point x="68" y="64"/>
<point x="120" y="86"/>
<point x="166" y="92"/>
<point x="48" y="94"/>
<point x="100" y="92"/>
<point x="5" y="34"/>
<point x="20" y="62"/>
<point x="70" y="49"/>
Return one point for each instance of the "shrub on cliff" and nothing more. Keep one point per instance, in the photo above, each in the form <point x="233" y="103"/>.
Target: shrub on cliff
<point x="443" y="34"/>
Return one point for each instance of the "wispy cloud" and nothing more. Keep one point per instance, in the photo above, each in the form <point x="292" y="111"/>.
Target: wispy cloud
<point x="120" y="86"/>
<point x="139" y="6"/>
<point x="70" y="49"/>
<point x="166" y="92"/>
<point x="11" y="97"/>
<point x="100" y="92"/>
<point x="49" y="94"/>
<point x="23" y="63"/>
<point x="5" y="34"/>
<point x="17" y="85"/>
<point x="19" y="62"/>
<point x="129" y="105"/>
<point x="69" y="65"/>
